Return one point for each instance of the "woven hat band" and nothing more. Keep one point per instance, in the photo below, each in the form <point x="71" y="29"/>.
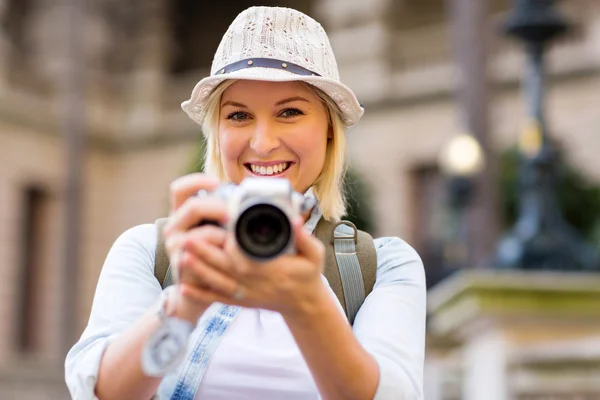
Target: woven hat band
<point x="266" y="63"/>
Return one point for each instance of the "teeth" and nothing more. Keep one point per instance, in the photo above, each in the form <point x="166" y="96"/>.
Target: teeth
<point x="270" y="170"/>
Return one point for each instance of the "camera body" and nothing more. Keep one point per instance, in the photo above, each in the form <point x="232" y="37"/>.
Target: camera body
<point x="261" y="211"/>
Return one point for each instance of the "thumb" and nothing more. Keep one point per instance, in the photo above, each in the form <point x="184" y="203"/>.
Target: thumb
<point x="306" y="244"/>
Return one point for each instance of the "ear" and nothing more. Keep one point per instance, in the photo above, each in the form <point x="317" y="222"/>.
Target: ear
<point x="330" y="132"/>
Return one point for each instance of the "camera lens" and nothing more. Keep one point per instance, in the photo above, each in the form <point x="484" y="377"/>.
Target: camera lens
<point x="263" y="231"/>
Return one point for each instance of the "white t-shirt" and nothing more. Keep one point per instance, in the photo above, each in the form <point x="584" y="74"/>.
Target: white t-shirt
<point x="257" y="359"/>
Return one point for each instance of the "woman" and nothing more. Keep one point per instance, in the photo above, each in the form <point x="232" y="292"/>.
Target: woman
<point x="273" y="106"/>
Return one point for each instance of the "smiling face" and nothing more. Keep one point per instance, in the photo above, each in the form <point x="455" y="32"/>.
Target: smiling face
<point x="277" y="129"/>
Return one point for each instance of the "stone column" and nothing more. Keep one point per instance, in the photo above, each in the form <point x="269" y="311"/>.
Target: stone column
<point x="485" y="366"/>
<point x="361" y="39"/>
<point x="49" y="24"/>
<point x="147" y="78"/>
<point x="433" y="376"/>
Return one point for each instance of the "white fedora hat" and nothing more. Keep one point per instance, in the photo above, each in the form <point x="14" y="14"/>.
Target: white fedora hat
<point x="276" y="44"/>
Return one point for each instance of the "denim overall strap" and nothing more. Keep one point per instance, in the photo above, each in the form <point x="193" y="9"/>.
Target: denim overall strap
<point x="190" y="374"/>
<point x="196" y="363"/>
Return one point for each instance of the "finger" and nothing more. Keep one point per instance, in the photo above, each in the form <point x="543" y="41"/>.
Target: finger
<point x="195" y="210"/>
<point x="214" y="235"/>
<point x="174" y="259"/>
<point x="186" y="186"/>
<point x="205" y="295"/>
<point x="197" y="294"/>
<point x="306" y="245"/>
<point x="240" y="264"/>
<point x="207" y="245"/>
<point x="195" y="270"/>
<point x="176" y="241"/>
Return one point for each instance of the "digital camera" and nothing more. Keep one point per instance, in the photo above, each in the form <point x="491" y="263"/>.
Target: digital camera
<point x="261" y="211"/>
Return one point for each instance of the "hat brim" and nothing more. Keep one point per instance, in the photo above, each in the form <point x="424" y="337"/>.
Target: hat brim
<point x="351" y="109"/>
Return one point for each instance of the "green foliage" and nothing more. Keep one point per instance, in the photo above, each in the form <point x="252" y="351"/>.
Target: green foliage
<point x="357" y="191"/>
<point x="578" y="197"/>
<point x="197" y="161"/>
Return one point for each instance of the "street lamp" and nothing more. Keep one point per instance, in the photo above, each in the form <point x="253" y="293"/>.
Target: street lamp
<point x="460" y="161"/>
<point x="462" y="156"/>
<point x="541" y="238"/>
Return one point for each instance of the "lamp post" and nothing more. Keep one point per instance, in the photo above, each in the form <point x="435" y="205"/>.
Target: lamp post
<point x="541" y="238"/>
<point x="469" y="32"/>
<point x="461" y="160"/>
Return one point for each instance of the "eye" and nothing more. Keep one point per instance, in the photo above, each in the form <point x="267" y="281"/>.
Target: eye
<point x="291" y="113"/>
<point x="238" y="116"/>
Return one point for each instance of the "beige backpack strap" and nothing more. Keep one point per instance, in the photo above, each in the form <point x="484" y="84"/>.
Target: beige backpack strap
<point x="324" y="232"/>
<point x="350" y="263"/>
<point x="367" y="257"/>
<point x="161" y="262"/>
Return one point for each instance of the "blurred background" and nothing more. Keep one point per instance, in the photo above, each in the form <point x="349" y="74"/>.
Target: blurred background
<point x="479" y="147"/>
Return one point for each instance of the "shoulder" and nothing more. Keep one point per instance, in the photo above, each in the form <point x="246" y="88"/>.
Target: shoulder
<point x="391" y="324"/>
<point x="127" y="276"/>
<point x="136" y="243"/>
<point x="142" y="236"/>
<point x="397" y="260"/>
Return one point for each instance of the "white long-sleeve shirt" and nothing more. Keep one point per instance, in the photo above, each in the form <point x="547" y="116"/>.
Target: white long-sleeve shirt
<point x="257" y="358"/>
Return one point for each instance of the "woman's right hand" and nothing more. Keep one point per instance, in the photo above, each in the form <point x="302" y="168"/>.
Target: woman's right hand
<point x="196" y="252"/>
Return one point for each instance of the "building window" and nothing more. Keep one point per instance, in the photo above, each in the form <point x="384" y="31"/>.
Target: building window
<point x="14" y="15"/>
<point x="196" y="33"/>
<point x="13" y="21"/>
<point x="34" y="219"/>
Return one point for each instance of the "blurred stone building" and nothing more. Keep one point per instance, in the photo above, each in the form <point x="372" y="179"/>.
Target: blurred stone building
<point x="144" y="57"/>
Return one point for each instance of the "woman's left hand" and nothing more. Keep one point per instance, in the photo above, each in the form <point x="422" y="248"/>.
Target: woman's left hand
<point x="289" y="284"/>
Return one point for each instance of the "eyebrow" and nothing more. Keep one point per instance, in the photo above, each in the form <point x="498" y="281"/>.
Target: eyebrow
<point x="290" y="99"/>
<point x="233" y="103"/>
<point x="279" y="103"/>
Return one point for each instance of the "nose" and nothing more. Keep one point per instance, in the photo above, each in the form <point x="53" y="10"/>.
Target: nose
<point x="265" y="139"/>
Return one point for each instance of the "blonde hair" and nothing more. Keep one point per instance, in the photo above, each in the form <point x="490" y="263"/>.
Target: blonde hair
<point x="328" y="188"/>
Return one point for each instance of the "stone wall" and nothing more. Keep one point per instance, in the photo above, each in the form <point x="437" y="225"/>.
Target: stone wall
<point x="139" y="141"/>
